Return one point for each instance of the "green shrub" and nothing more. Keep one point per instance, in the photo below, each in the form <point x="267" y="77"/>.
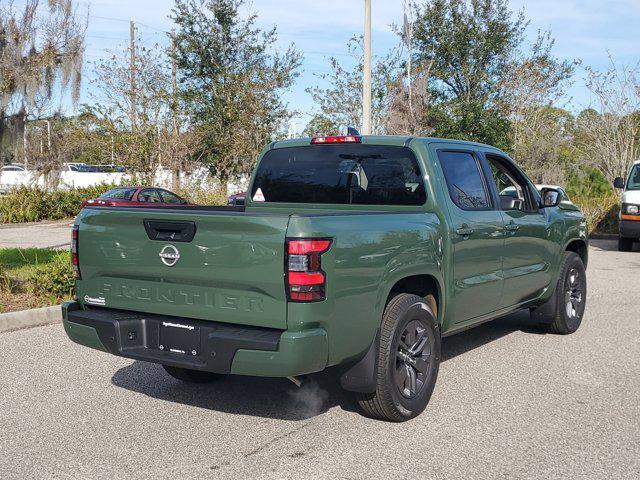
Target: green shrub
<point x="202" y="196"/>
<point x="34" y="277"/>
<point x="601" y="211"/>
<point x="588" y="182"/>
<point x="54" y="279"/>
<point x="591" y="191"/>
<point x="32" y="204"/>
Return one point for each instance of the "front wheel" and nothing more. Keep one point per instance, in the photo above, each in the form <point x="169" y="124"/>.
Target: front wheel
<point x="191" y="376"/>
<point x="408" y="361"/>
<point x="563" y="312"/>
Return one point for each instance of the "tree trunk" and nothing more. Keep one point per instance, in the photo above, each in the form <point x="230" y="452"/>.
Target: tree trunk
<point x="175" y="179"/>
<point x="2" y="119"/>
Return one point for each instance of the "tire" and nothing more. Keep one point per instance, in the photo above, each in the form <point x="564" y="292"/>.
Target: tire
<point x="625" y="244"/>
<point x="191" y="376"/>
<point x="406" y="372"/>
<point x="563" y="312"/>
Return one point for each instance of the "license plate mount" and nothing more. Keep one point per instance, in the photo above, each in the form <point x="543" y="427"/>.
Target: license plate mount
<point x="181" y="338"/>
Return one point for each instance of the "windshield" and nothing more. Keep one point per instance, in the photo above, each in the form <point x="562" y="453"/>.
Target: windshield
<point x="119" y="193"/>
<point x="340" y="174"/>
<point x="634" y="178"/>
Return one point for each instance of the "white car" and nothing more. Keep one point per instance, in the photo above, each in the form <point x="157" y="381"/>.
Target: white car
<point x="511" y="191"/>
<point x="629" y="225"/>
<point x="13" y="168"/>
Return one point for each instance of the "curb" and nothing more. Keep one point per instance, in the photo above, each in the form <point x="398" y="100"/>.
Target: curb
<point x="604" y="236"/>
<point x="30" y="318"/>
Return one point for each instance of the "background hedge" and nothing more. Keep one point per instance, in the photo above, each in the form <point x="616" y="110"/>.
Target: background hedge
<point x="32" y="204"/>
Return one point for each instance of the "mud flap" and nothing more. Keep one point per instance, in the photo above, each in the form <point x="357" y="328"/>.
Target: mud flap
<point x="545" y="313"/>
<point x="361" y="377"/>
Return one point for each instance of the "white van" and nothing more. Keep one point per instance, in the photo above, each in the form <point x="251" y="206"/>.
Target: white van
<point x="630" y="208"/>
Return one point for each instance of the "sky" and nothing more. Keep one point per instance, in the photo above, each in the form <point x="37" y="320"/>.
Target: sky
<point x="587" y="30"/>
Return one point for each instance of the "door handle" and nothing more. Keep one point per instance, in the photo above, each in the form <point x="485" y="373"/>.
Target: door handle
<point x="511" y="227"/>
<point x="464" y="231"/>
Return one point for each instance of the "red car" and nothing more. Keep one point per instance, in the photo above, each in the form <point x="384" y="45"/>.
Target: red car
<point x="136" y="197"/>
<point x="236" y="198"/>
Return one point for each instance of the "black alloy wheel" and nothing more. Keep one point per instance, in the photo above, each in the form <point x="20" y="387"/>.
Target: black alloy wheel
<point x="413" y="358"/>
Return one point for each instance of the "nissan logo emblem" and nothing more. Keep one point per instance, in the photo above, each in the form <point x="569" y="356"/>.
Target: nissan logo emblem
<point x="169" y="255"/>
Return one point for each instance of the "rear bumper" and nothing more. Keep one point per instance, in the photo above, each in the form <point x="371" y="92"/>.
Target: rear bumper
<point x="222" y="347"/>
<point x="630" y="228"/>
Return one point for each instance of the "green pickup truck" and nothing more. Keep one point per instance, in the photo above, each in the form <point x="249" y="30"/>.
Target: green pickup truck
<point x="353" y="252"/>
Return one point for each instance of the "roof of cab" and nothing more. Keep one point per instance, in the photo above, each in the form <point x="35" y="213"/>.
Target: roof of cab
<point x="399" y="140"/>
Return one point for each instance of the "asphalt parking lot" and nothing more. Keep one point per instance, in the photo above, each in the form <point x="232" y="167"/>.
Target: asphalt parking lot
<point x="36" y="235"/>
<point x="509" y="403"/>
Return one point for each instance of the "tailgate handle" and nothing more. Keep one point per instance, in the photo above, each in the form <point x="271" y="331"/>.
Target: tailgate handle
<point x="167" y="231"/>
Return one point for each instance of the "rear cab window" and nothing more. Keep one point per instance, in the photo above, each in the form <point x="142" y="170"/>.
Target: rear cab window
<point x="353" y="174"/>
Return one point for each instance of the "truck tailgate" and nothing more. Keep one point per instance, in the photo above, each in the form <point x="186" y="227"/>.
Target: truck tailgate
<point x="231" y="271"/>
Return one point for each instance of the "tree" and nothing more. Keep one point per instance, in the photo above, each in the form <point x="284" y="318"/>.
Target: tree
<point x="341" y="102"/>
<point x="409" y="105"/>
<point x="88" y="138"/>
<point x="45" y="146"/>
<point x="609" y="137"/>
<point x="137" y="145"/>
<point x="320" y="125"/>
<point x="38" y="47"/>
<point x="230" y="82"/>
<point x="469" y="44"/>
<point x="544" y="143"/>
<point x="540" y="133"/>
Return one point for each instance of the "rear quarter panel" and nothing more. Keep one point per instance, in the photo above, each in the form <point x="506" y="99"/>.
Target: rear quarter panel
<point x="369" y="254"/>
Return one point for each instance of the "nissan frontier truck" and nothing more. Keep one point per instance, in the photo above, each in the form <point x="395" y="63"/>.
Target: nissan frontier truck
<point x="354" y="252"/>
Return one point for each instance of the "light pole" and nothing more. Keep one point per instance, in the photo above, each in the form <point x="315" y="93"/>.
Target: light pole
<point x="366" y="79"/>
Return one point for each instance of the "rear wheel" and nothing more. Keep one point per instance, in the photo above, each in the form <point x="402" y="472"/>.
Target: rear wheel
<point x="563" y="312"/>
<point x="191" y="376"/>
<point x="408" y="361"/>
<point x="625" y="244"/>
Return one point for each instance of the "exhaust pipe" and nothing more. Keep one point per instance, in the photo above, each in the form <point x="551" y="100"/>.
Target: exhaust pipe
<point x="296" y="381"/>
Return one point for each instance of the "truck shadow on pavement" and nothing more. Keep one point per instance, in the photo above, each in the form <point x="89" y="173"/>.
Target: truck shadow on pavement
<point x="278" y="397"/>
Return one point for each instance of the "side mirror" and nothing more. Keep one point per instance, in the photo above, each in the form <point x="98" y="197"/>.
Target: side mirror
<point x="550" y="197"/>
<point x="618" y="182"/>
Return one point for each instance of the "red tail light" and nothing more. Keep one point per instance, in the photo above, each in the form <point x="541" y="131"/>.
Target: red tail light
<point x="75" y="265"/>
<point x="336" y="139"/>
<point x="97" y="202"/>
<point x="305" y="279"/>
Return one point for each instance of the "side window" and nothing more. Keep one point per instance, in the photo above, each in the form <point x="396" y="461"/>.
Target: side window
<point x="511" y="186"/>
<point x="169" y="197"/>
<point x="149" y="195"/>
<point x="465" y="181"/>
